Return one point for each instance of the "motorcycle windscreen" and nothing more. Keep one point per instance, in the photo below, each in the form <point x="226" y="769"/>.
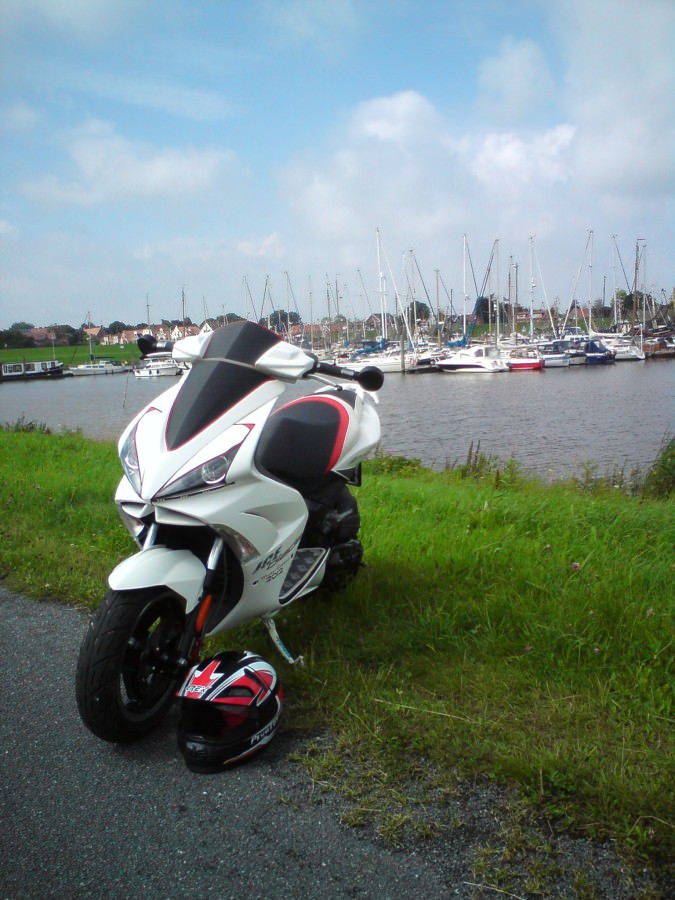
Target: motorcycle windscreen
<point x="211" y="388"/>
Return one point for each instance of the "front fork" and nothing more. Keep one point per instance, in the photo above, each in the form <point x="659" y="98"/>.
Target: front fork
<point x="193" y="638"/>
<point x="195" y="626"/>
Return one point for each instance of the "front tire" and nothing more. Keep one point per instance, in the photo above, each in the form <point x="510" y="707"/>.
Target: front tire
<point x="127" y="669"/>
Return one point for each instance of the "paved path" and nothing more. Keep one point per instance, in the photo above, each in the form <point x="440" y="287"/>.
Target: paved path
<point x="82" y="818"/>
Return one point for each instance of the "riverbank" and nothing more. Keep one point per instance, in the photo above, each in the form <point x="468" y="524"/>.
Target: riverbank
<point x="585" y="421"/>
<point x="502" y="630"/>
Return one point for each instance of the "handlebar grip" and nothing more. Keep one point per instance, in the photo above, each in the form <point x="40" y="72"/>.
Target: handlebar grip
<point x="148" y="343"/>
<point x="370" y="377"/>
<point x="325" y="368"/>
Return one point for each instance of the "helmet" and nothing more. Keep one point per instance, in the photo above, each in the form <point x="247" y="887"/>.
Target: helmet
<point x="230" y="709"/>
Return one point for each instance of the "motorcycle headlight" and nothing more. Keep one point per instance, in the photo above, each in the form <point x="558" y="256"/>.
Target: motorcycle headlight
<point x="207" y="476"/>
<point x="129" y="460"/>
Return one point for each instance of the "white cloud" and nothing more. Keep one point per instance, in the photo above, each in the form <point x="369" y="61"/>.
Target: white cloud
<point x="400" y="165"/>
<point x="507" y="164"/>
<point x="7" y="229"/>
<point x="109" y="167"/>
<point x="19" y="117"/>
<point x="404" y="119"/>
<point x="268" y="247"/>
<point x="75" y="19"/>
<point x="516" y="84"/>
<point x="321" y="23"/>
<point x="619" y="92"/>
<point x="198" y="105"/>
<point x="183" y="253"/>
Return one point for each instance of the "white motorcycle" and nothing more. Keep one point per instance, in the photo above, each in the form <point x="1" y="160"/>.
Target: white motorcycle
<point x="238" y="509"/>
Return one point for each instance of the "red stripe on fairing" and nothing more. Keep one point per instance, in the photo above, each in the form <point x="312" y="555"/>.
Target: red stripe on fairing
<point x="342" y="427"/>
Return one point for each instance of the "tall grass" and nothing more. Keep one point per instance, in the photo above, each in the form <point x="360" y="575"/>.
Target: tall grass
<point x="500" y="628"/>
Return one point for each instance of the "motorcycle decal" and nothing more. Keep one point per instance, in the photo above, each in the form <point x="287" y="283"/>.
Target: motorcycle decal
<point x="275" y="558"/>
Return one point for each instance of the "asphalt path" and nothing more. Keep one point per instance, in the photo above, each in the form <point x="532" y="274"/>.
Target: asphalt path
<point x="83" y="818"/>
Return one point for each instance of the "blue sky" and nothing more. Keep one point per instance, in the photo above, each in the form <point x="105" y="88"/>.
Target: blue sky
<point x="150" y="147"/>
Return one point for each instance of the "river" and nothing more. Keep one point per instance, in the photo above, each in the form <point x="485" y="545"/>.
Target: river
<point x="552" y="423"/>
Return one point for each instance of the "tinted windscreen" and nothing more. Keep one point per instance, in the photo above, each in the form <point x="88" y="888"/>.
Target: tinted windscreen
<point x="210" y="388"/>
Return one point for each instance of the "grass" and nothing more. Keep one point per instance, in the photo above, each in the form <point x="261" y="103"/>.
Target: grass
<point x="70" y="356"/>
<point x="501" y="629"/>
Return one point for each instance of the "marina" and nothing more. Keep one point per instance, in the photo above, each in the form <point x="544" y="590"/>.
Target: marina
<point x="553" y="423"/>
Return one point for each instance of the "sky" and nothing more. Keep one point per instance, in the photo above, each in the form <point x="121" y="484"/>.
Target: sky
<point x="242" y="156"/>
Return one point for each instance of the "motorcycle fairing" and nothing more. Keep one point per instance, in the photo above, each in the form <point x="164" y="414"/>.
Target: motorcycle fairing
<point x="302" y="441"/>
<point x="179" y="570"/>
<point x="213" y="385"/>
<point x="261" y="516"/>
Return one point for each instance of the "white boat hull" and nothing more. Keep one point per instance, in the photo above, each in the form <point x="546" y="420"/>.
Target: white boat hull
<point x="99" y="369"/>
<point x="475" y="359"/>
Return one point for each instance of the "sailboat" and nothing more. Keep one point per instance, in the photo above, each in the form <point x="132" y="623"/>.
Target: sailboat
<point x="98" y="365"/>
<point x="386" y="355"/>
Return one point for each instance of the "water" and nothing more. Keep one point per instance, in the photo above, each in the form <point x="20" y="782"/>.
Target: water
<point x="552" y="423"/>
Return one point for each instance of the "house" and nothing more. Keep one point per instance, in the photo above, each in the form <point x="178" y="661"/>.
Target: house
<point x="41" y="336"/>
<point x="95" y="333"/>
<point x="374" y="321"/>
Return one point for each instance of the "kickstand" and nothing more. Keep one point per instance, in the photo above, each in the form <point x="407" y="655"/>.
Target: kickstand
<point x="279" y="644"/>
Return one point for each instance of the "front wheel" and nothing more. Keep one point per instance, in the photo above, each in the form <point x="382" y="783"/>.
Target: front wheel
<point x="127" y="670"/>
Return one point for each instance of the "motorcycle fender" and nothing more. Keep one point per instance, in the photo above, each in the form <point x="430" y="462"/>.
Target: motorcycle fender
<point x="179" y="570"/>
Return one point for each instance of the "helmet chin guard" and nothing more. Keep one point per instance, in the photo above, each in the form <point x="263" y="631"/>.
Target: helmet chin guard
<point x="230" y="709"/>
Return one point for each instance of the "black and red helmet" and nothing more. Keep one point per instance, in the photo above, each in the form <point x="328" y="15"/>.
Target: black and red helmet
<point x="230" y="709"/>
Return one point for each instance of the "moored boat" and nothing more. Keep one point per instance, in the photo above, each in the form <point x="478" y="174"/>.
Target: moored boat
<point x="623" y="346"/>
<point x="659" y="348"/>
<point x="100" y="367"/>
<point x="156" y="365"/>
<point x="597" y="354"/>
<point x="554" y="358"/>
<point x="525" y="360"/>
<point x="31" y="371"/>
<point x="474" y="359"/>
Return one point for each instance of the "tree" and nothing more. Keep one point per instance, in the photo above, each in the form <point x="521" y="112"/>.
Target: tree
<point x="116" y="327"/>
<point x="280" y="320"/>
<point x="21" y="326"/>
<point x="15" y="339"/>
<point x="421" y="310"/>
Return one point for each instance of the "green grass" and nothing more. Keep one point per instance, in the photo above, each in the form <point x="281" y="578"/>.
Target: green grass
<point x="71" y="356"/>
<point x="500" y="629"/>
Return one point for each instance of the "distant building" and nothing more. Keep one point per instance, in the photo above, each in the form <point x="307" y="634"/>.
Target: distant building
<point x="95" y="332"/>
<point x="41" y="336"/>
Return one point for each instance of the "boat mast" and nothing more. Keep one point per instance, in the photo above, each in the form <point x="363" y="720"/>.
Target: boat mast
<point x="616" y="317"/>
<point x="311" y="315"/>
<point x="532" y="286"/>
<point x="590" y="279"/>
<point x="464" y="286"/>
<point x="497" y="334"/>
<point x="382" y="291"/>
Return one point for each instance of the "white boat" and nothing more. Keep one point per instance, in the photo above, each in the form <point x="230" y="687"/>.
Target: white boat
<point x="554" y="358"/>
<point x="527" y="359"/>
<point x="476" y="358"/>
<point x="100" y="367"/>
<point x="155" y="365"/>
<point x="387" y="362"/>
<point x="624" y="347"/>
<point x="572" y="348"/>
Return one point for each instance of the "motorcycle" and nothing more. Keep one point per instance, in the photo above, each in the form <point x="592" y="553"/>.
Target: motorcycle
<point x="238" y="507"/>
